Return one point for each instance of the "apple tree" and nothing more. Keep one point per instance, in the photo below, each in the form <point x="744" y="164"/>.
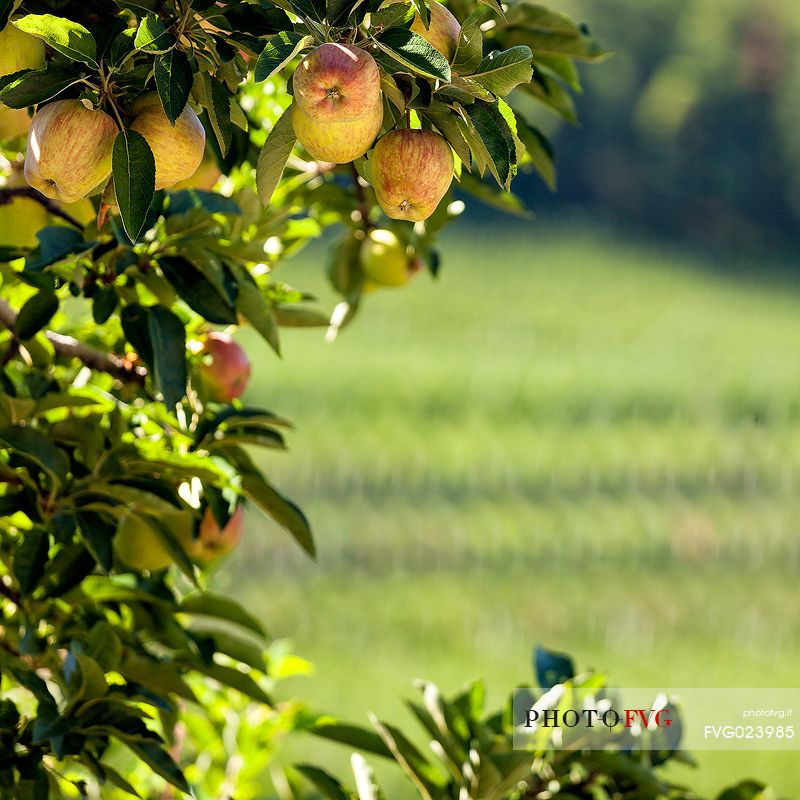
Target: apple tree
<point x="161" y="158"/>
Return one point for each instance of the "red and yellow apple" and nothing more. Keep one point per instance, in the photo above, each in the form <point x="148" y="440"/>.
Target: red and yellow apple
<point x="69" y="150"/>
<point x="337" y="141"/>
<point x="385" y="260"/>
<point x="411" y="172"/>
<point x="213" y="542"/>
<point x="443" y="32"/>
<point x="337" y="110"/>
<point x="444" y="29"/>
<point x="224" y="368"/>
<point x="178" y="149"/>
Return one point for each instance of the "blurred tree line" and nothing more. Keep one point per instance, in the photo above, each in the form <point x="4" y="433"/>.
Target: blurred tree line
<point x="692" y="129"/>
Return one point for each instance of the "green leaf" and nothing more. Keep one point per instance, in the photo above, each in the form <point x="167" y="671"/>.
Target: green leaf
<point x="253" y="306"/>
<point x="282" y="510"/>
<point x="299" y="317"/>
<point x="37" y="447"/>
<point x="500" y="72"/>
<point x="428" y="780"/>
<point x="7" y="8"/>
<point x="110" y="775"/>
<point x="208" y="604"/>
<point x="412" y="51"/>
<point x="152" y="35"/>
<point x="280" y="50"/>
<point x="497" y="139"/>
<point x="552" y="93"/>
<point x="69" y="38"/>
<point x="198" y="293"/>
<point x="551" y="668"/>
<point x="173" y="76"/>
<point x="159" y="760"/>
<point x="169" y="354"/>
<point x="30" y="558"/>
<point x="232" y="677"/>
<point x="539" y="151"/>
<point x="273" y="156"/>
<point x="351" y="735"/>
<point x="97" y="533"/>
<point x="104" y="302"/>
<point x="470" y="44"/>
<point x="216" y="100"/>
<point x="38" y="86"/>
<point x="446" y="121"/>
<point x="325" y="783"/>
<point x="35" y="314"/>
<point x="495" y="6"/>
<point x="56" y="242"/>
<point x="134" y="319"/>
<point x="134" y="170"/>
<point x="551" y="33"/>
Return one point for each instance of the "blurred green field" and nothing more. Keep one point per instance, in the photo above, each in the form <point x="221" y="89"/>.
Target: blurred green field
<point x="567" y="438"/>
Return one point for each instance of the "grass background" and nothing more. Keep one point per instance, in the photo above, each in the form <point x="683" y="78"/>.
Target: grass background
<point x="568" y="438"/>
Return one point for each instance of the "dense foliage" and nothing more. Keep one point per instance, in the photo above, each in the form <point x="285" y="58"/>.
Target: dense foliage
<point x="692" y="130"/>
<point x="125" y="455"/>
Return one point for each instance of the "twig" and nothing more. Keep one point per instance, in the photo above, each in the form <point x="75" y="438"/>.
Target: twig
<point x="10" y="593"/>
<point x="361" y="197"/>
<point x="68" y="347"/>
<point x="7" y="194"/>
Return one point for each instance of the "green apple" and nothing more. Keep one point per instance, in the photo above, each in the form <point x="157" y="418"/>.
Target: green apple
<point x="69" y="150"/>
<point x="14" y="123"/>
<point x="338" y="109"/>
<point x="224" y="368"/>
<point x="178" y="149"/>
<point x="19" y="50"/>
<point x="411" y="172"/>
<point x="206" y="176"/>
<point x="20" y="220"/>
<point x="385" y="260"/>
<point x="139" y="546"/>
<point x="213" y="542"/>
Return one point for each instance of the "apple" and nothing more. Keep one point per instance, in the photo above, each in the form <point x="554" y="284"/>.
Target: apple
<point x="443" y="32"/>
<point x="337" y="82"/>
<point x="206" y="176"/>
<point x="338" y="141"/>
<point x="411" y="172"/>
<point x="69" y="150"/>
<point x="19" y="50"/>
<point x="14" y="122"/>
<point x="337" y="110"/>
<point x="139" y="546"/>
<point x="20" y="220"/>
<point x="213" y="542"/>
<point x="83" y="211"/>
<point x="224" y="369"/>
<point x="385" y="260"/>
<point x="178" y="150"/>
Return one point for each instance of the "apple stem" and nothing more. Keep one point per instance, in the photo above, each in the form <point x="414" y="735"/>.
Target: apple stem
<point x="8" y="194"/>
